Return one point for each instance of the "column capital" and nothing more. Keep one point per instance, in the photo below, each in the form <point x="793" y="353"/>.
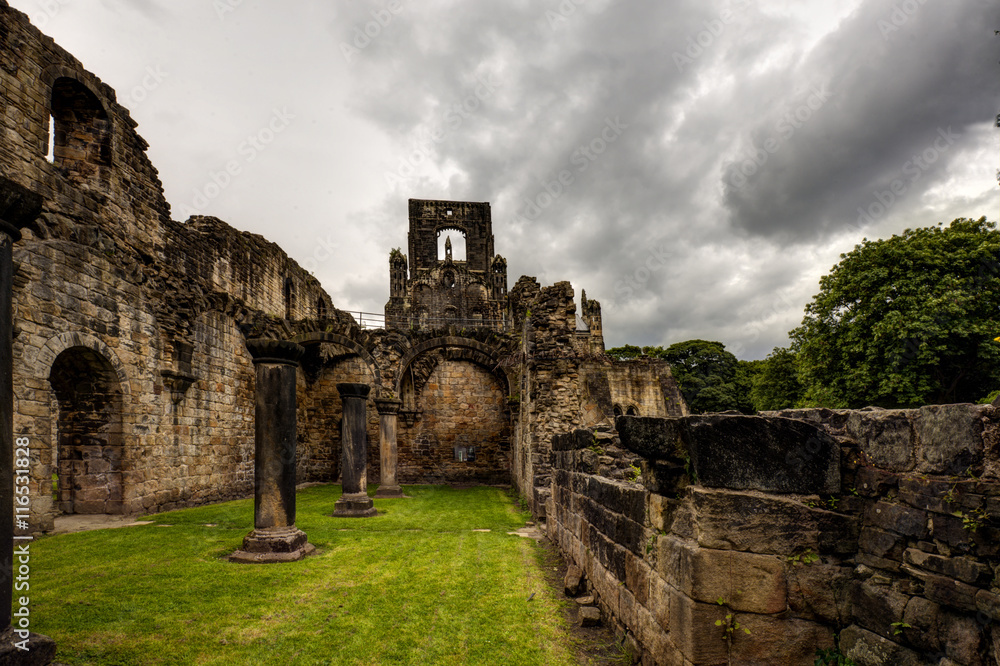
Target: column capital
<point x="354" y="390"/>
<point x="19" y="208"/>
<point x="388" y="405"/>
<point x="267" y="350"/>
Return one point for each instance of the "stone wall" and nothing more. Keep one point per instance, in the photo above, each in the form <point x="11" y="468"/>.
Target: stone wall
<point x="875" y="531"/>
<point x="463" y="433"/>
<point x="131" y="378"/>
<point x="566" y="381"/>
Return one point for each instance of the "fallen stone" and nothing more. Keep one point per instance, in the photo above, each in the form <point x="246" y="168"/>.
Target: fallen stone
<point x="590" y="616"/>
<point x="585" y="601"/>
<point x="574" y="576"/>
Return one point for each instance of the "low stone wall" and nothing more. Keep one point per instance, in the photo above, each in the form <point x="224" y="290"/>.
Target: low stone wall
<point x="872" y="531"/>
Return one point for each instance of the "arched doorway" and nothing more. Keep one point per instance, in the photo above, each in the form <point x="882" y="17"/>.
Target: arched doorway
<point x="88" y="442"/>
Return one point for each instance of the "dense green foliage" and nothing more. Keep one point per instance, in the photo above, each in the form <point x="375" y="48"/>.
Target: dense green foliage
<point x="776" y="383"/>
<point x="906" y="321"/>
<point x="414" y="585"/>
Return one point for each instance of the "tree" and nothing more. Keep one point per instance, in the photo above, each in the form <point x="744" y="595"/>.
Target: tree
<point x="624" y="352"/>
<point x="906" y="321"/>
<point x="776" y="385"/>
<point x="707" y="376"/>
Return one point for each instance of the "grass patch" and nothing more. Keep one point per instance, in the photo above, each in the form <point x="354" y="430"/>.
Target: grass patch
<point x="414" y="585"/>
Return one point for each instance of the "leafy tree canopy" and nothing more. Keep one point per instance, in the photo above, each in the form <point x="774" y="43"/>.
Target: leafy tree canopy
<point x="906" y="321"/>
<point x="706" y="373"/>
<point x="776" y="385"/>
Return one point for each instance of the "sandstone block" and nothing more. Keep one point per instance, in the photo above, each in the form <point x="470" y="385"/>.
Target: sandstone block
<point x="778" y="642"/>
<point x="729" y="520"/>
<point x="865" y="647"/>
<point x="745" y="581"/>
<point x="949" y="438"/>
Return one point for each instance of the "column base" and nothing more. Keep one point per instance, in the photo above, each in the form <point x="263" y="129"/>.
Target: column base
<point x="389" y="491"/>
<point x="41" y="649"/>
<point x="355" y="505"/>
<point x="273" y="544"/>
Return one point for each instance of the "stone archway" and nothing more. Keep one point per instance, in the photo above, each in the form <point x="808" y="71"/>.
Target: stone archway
<point x="455" y="424"/>
<point x="88" y="447"/>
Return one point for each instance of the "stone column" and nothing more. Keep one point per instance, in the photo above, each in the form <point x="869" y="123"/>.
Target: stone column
<point x="387" y="411"/>
<point x="19" y="208"/>
<point x="274" y="537"/>
<point x="354" y="502"/>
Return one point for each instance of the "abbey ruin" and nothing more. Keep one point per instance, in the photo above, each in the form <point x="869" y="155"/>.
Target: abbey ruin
<point x="139" y="344"/>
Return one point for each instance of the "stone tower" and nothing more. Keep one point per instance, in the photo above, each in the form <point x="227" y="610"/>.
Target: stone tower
<point x="447" y="288"/>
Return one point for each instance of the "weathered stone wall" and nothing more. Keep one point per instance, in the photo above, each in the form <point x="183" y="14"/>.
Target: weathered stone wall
<point x="463" y="406"/>
<point x="566" y="381"/>
<point x="646" y="386"/>
<point x="131" y="378"/>
<point x="804" y="530"/>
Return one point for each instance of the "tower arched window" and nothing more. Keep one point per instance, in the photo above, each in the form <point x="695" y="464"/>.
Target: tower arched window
<point x="80" y="133"/>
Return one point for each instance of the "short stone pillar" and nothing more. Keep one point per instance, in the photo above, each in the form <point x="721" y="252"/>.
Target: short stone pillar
<point x="19" y="208"/>
<point x="387" y="411"/>
<point x="274" y="537"/>
<point x="354" y="502"/>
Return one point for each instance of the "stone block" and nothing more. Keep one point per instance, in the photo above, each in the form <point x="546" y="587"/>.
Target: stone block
<point x="659" y="601"/>
<point x="818" y="591"/>
<point x="948" y="592"/>
<point x="730" y="520"/>
<point x="747" y="582"/>
<point x="778" y="642"/>
<point x="876" y="606"/>
<point x="870" y="649"/>
<point x="884" y="437"/>
<point x="653" y="438"/>
<point x="694" y="632"/>
<point x="988" y="603"/>
<point x="922" y="615"/>
<point x="882" y="545"/>
<point x="951" y="530"/>
<point x="899" y="518"/>
<point x="965" y="569"/>
<point x="573" y="580"/>
<point x="949" y="439"/>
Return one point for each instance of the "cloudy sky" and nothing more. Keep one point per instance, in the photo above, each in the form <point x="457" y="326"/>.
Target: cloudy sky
<point x="695" y="165"/>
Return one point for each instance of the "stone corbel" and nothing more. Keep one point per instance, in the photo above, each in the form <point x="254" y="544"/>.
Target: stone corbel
<point x="178" y="383"/>
<point x="410" y="416"/>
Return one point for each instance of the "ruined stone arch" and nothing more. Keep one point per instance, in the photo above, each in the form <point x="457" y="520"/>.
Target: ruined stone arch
<point x="317" y="337"/>
<point x="47" y="354"/>
<point x="88" y="385"/>
<point x="465" y="349"/>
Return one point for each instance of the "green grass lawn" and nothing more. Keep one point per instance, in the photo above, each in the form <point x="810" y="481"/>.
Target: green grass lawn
<point x="414" y="585"/>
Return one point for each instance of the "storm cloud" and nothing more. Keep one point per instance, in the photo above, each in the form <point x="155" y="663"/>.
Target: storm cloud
<point x="695" y="166"/>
